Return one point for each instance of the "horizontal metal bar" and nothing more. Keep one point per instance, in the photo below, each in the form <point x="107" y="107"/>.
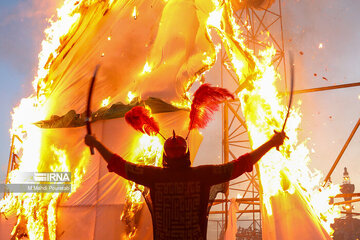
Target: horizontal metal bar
<point x="237" y="200"/>
<point x="243" y="202"/>
<point x="239" y="146"/>
<point x="242" y="190"/>
<point x="239" y="182"/>
<point x="238" y="141"/>
<point x="353" y="213"/>
<point x="311" y="90"/>
<point x="240" y="211"/>
<point x="347" y="202"/>
<point x="346" y="195"/>
<point x="319" y="89"/>
<point x="251" y="203"/>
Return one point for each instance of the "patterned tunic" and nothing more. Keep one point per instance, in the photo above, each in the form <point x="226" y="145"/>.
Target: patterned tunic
<point x="180" y="196"/>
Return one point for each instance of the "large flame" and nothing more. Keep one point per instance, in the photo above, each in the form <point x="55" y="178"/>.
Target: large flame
<point x="285" y="170"/>
<point x="280" y="171"/>
<point x="264" y="110"/>
<point x="147" y="151"/>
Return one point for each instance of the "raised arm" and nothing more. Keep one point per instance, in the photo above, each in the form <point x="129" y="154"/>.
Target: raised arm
<point x="91" y="141"/>
<point x="228" y="171"/>
<point x="137" y="173"/>
<point x="275" y="141"/>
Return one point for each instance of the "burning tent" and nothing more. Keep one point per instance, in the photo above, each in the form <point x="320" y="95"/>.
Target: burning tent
<point x="151" y="53"/>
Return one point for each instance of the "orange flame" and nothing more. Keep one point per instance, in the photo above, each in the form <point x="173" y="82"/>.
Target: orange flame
<point x="286" y="170"/>
<point x="147" y="151"/>
<point x="261" y="106"/>
<point x="105" y="102"/>
<point x="36" y="212"/>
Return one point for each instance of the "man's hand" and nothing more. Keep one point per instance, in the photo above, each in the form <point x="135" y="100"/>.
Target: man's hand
<point x="278" y="139"/>
<point x="275" y="141"/>
<point x="90" y="140"/>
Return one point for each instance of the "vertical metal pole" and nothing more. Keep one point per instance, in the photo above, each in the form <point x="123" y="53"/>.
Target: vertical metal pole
<point x="260" y="195"/>
<point x="222" y="119"/>
<point x="253" y="195"/>
<point x="226" y="155"/>
<point x="10" y="158"/>
<point x="252" y="173"/>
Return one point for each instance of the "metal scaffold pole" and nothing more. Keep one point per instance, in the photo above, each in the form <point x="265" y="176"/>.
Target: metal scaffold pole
<point x="256" y="26"/>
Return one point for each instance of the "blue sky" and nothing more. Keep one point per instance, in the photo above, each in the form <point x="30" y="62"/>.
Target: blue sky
<point x="21" y="29"/>
<point x="328" y="117"/>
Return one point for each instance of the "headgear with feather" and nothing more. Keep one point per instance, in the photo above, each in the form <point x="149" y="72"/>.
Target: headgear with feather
<point x="206" y="101"/>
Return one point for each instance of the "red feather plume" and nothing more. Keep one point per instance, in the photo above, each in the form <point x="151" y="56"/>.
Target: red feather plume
<point x="206" y="101"/>
<point x="140" y="119"/>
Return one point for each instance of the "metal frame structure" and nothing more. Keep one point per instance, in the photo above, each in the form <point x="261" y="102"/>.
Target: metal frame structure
<point x="260" y="28"/>
<point x="343" y="149"/>
<point x="13" y="157"/>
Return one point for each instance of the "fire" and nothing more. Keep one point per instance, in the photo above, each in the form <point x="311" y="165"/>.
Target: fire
<point x="147" y="69"/>
<point x="185" y="104"/>
<point x="215" y="18"/>
<point x="28" y="112"/>
<point x="67" y="20"/>
<point x="320" y="45"/>
<point x="147" y="151"/>
<point x="105" y="102"/>
<point x="135" y="13"/>
<point x="280" y="171"/>
<point x="36" y="212"/>
<point x="130" y="96"/>
<point x="285" y="170"/>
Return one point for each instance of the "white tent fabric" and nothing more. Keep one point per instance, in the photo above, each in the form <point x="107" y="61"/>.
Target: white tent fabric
<point x="94" y="210"/>
<point x="173" y="52"/>
<point x="99" y="201"/>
